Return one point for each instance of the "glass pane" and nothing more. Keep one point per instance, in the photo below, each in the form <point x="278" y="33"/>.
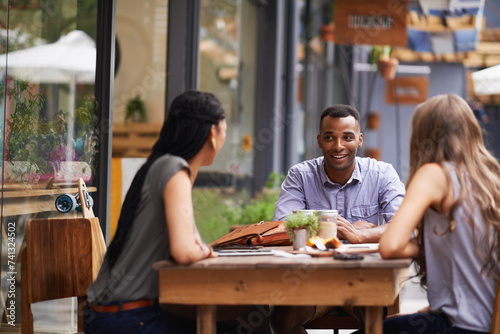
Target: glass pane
<point x="315" y="53"/>
<point x="228" y="66"/>
<point x="47" y="63"/>
<point x="228" y="49"/>
<point x="139" y="92"/>
<point x="141" y="33"/>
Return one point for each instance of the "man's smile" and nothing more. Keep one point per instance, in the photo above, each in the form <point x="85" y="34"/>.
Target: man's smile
<point x="338" y="156"/>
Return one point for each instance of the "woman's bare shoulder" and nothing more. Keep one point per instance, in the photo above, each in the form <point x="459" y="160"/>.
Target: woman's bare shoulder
<point x="432" y="172"/>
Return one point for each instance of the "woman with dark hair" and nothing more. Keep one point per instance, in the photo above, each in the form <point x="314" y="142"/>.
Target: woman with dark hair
<point x="157" y="223"/>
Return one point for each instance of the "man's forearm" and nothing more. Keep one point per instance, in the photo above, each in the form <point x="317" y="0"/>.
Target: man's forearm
<point x="370" y="235"/>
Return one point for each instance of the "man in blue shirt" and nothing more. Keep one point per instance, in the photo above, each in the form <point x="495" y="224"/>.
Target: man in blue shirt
<point x="366" y="193"/>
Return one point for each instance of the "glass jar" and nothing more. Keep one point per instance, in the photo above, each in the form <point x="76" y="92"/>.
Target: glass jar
<point x="306" y="212"/>
<point x="327" y="223"/>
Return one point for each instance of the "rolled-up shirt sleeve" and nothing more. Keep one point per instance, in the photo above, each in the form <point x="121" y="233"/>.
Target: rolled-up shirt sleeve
<point x="391" y="194"/>
<point x="291" y="196"/>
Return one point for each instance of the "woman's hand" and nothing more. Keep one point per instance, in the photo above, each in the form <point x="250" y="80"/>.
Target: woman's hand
<point x="207" y="251"/>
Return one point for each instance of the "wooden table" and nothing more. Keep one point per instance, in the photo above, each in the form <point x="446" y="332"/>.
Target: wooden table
<point x="270" y="280"/>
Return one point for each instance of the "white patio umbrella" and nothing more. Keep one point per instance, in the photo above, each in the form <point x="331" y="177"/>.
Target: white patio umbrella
<point x="70" y="60"/>
<point x="487" y="81"/>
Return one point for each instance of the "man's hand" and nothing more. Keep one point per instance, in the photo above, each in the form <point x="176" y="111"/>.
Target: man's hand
<point x="359" y="231"/>
<point x="360" y="224"/>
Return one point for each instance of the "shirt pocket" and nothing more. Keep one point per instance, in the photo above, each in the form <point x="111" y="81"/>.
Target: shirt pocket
<point x="318" y="206"/>
<point x="364" y="212"/>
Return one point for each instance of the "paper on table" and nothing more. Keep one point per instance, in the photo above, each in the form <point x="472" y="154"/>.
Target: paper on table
<point x="358" y="248"/>
<point x="282" y="253"/>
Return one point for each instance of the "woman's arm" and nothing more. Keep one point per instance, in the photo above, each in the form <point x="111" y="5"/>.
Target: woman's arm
<point x="428" y="188"/>
<point x="185" y="242"/>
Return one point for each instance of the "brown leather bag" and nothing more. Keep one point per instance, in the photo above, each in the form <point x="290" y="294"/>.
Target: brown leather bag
<point x="270" y="233"/>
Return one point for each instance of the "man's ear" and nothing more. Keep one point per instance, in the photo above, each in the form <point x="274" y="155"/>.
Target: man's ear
<point x="319" y="140"/>
<point x="360" y="140"/>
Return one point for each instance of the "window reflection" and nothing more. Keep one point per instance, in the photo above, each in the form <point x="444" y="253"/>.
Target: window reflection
<point x="48" y="120"/>
<point x="227" y="69"/>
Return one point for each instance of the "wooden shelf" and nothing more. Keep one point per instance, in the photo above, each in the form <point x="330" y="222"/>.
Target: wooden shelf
<point x="29" y="201"/>
<point x="134" y="139"/>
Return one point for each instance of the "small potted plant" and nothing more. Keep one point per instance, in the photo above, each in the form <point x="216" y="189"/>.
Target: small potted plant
<point x="38" y="149"/>
<point x="300" y="227"/>
<point x="327" y="30"/>
<point x="387" y="65"/>
<point x="373" y="120"/>
<point x="135" y="110"/>
<point x="30" y="137"/>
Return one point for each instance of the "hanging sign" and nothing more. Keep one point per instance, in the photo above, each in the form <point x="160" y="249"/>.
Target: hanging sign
<point x="407" y="90"/>
<point x="381" y="22"/>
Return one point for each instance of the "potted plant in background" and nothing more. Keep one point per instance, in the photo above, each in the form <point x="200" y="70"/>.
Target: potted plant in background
<point x="301" y="227"/>
<point x="387" y="65"/>
<point x="373" y="120"/>
<point x="136" y="110"/>
<point x="327" y="30"/>
<point x="31" y="138"/>
<point x="82" y="147"/>
<point x="38" y="149"/>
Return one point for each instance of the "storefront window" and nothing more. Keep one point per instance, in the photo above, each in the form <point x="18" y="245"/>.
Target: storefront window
<point x="315" y="64"/>
<point x="228" y="49"/>
<point x="139" y="92"/>
<point x="49" y="125"/>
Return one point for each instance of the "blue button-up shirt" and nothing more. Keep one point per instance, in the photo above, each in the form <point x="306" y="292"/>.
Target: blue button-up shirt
<point x="373" y="193"/>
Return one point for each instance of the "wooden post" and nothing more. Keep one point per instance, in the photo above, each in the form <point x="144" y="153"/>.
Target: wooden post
<point x="373" y="320"/>
<point x="26" y="314"/>
<point x="205" y="323"/>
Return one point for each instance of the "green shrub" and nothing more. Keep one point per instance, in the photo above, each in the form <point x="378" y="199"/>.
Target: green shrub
<point x="209" y="205"/>
<point x="217" y="210"/>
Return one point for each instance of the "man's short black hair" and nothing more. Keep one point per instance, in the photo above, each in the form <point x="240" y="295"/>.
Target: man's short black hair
<point x="338" y="111"/>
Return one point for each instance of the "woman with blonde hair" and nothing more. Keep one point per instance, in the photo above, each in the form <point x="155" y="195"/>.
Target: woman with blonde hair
<point x="453" y="201"/>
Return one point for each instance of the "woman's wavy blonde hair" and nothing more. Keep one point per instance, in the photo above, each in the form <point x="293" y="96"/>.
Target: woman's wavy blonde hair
<point x="444" y="129"/>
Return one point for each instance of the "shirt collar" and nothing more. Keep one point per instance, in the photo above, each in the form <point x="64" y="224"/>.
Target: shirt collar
<point x="356" y="174"/>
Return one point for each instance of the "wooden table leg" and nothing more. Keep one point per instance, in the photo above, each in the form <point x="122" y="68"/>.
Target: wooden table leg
<point x="373" y="319"/>
<point x="394" y="308"/>
<point x="205" y="321"/>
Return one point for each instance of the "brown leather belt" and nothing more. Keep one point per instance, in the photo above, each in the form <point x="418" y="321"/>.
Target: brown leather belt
<point x="125" y="306"/>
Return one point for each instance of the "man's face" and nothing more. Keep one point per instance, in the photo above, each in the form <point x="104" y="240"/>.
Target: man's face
<point x="339" y="139"/>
